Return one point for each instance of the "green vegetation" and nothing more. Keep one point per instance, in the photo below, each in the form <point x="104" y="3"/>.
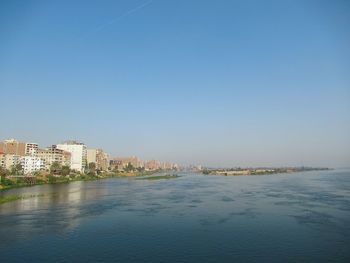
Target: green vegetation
<point x="63" y="174"/>
<point x="205" y="171"/>
<point x="129" y="168"/>
<point x="91" y="169"/>
<point x="55" y="168"/>
<point x="159" y="177"/>
<point x="65" y="170"/>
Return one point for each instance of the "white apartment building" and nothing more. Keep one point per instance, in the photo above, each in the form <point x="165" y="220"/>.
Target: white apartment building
<point x="10" y="160"/>
<point x="78" y="154"/>
<point x="31" y="164"/>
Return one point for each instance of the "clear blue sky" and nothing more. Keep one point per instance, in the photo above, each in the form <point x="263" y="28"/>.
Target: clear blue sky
<point x="219" y="83"/>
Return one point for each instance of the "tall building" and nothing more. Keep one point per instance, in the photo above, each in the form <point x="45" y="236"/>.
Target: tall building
<point x="91" y="155"/>
<point x="53" y="154"/>
<point x="99" y="157"/>
<point x="13" y="146"/>
<point x="31" y="164"/>
<point x="78" y="154"/>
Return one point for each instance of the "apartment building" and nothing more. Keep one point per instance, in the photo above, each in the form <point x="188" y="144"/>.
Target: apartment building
<point x="53" y="154"/>
<point x="11" y="160"/>
<point x="31" y="164"/>
<point x="99" y="157"/>
<point x="78" y="154"/>
<point x="13" y="147"/>
<point x="31" y="149"/>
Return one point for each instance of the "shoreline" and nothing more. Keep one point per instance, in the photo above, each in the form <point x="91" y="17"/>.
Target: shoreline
<point x="137" y="175"/>
<point x="81" y="178"/>
<point x="260" y="171"/>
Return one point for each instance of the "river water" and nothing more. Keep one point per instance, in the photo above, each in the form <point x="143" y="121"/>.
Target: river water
<point x="301" y="217"/>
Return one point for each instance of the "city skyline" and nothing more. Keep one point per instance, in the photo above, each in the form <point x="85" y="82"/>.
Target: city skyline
<point x="28" y="158"/>
<point x="231" y="84"/>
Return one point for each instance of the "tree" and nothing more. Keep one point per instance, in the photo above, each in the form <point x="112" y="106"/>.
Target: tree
<point x="205" y="171"/>
<point x="129" y="167"/>
<point x="92" y="168"/>
<point x="140" y="169"/>
<point x="3" y="173"/>
<point x="65" y="170"/>
<point x="55" y="168"/>
<point x="16" y="169"/>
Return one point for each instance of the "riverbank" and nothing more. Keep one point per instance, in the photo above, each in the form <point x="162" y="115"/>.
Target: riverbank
<point x="43" y="179"/>
<point x="259" y="171"/>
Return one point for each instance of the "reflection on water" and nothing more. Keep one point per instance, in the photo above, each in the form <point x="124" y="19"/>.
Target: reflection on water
<point x="289" y="217"/>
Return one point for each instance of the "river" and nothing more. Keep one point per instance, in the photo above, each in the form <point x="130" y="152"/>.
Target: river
<point x="194" y="218"/>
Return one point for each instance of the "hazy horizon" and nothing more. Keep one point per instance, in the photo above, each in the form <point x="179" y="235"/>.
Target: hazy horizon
<point x="235" y="83"/>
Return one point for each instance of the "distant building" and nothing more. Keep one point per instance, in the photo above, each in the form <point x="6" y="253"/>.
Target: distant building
<point x="121" y="162"/>
<point x="31" y="149"/>
<point x="11" y="160"/>
<point x="31" y="164"/>
<point x="13" y="146"/>
<point x="115" y="164"/>
<point x="152" y="165"/>
<point x="78" y="154"/>
<point x="91" y="155"/>
<point x="53" y="154"/>
<point x="99" y="157"/>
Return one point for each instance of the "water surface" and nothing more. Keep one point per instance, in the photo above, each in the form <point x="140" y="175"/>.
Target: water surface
<point x="194" y="218"/>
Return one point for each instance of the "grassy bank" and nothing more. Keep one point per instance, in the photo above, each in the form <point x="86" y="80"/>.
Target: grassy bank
<point x="46" y="178"/>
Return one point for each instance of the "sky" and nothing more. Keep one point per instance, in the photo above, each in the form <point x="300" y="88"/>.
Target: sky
<point x="217" y="83"/>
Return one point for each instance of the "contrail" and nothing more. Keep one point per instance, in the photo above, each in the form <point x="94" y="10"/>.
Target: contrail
<point x="127" y="13"/>
<point x="120" y="17"/>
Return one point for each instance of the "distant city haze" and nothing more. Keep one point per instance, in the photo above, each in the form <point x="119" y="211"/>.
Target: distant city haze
<point x="213" y="83"/>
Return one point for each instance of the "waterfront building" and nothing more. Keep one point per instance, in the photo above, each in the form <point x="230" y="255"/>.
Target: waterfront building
<point x="11" y="160"/>
<point x="13" y="147"/>
<point x="99" y="157"/>
<point x="78" y="154"/>
<point x="53" y="154"/>
<point x="91" y="155"/>
<point x="31" y="164"/>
